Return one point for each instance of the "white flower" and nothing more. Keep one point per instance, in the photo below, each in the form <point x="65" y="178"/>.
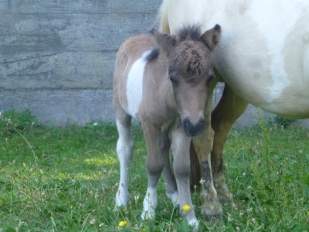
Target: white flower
<point x="92" y="221"/>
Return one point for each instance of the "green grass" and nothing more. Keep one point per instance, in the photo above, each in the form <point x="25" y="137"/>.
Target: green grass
<point x="65" y="179"/>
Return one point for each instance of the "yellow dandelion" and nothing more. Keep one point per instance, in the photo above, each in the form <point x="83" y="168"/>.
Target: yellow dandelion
<point x="308" y="212"/>
<point x="122" y="223"/>
<point x="186" y="207"/>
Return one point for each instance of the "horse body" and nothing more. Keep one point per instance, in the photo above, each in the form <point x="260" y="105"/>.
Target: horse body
<point x="263" y="58"/>
<point x="166" y="90"/>
<point x="263" y="54"/>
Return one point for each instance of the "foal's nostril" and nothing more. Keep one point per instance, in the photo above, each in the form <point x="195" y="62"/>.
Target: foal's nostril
<point x="186" y="124"/>
<point x="201" y="123"/>
<point x="191" y="129"/>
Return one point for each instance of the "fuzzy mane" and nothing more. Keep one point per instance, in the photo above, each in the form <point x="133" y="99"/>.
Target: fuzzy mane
<point x="189" y="33"/>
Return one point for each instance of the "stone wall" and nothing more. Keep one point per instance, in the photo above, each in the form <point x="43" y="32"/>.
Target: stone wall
<point x="57" y="57"/>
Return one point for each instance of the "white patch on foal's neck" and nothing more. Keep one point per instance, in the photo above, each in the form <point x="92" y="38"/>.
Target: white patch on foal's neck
<point x="275" y="27"/>
<point x="135" y="84"/>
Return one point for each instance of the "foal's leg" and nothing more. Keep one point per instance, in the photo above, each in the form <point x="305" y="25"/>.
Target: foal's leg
<point x="181" y="164"/>
<point x="171" y="187"/>
<point x="125" y="145"/>
<point x="155" y="165"/>
<point x="228" y="110"/>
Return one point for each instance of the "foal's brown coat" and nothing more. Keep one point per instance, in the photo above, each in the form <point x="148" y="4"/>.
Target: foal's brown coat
<point x="166" y="91"/>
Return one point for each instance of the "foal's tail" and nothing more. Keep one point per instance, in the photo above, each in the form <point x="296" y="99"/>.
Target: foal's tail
<point x="195" y="175"/>
<point x="162" y="18"/>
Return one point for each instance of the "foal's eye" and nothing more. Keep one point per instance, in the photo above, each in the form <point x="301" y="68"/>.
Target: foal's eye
<point x="210" y="77"/>
<point x="173" y="80"/>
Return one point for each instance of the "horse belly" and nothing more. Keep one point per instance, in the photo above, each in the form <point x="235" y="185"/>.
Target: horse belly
<point x="134" y="88"/>
<point x="265" y="63"/>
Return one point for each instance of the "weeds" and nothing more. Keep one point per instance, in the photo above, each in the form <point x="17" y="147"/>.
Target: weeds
<point x="284" y="122"/>
<point x="72" y="182"/>
<point x="12" y="121"/>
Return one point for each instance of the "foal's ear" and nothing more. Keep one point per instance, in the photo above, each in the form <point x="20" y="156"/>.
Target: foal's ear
<point x="211" y="37"/>
<point x="165" y="41"/>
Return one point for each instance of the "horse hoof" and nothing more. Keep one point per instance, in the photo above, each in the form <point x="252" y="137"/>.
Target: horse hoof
<point x="225" y="198"/>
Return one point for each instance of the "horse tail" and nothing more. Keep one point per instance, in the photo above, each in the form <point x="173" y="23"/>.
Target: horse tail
<point x="154" y="54"/>
<point x="162" y="18"/>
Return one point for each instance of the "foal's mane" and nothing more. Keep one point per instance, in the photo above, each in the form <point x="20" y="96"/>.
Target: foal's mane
<point x="193" y="65"/>
<point x="192" y="32"/>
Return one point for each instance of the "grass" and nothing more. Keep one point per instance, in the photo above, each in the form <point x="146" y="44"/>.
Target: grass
<point x="65" y="179"/>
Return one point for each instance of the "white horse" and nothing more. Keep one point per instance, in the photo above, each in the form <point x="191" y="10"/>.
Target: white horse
<point x="263" y="58"/>
<point x="166" y="90"/>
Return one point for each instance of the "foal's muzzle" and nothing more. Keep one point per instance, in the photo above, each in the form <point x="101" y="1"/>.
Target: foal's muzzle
<point x="192" y="129"/>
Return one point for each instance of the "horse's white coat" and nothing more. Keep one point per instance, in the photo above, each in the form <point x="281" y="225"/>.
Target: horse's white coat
<point x="135" y="84"/>
<point x="263" y="15"/>
<point x="263" y="54"/>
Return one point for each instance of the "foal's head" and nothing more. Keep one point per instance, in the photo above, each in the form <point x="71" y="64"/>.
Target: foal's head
<point x="190" y="72"/>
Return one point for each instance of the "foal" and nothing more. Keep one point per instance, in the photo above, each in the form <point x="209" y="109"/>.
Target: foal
<point x="162" y="81"/>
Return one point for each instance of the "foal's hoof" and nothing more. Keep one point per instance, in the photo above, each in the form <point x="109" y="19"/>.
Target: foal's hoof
<point x="122" y="197"/>
<point x="194" y="223"/>
<point x="147" y="215"/>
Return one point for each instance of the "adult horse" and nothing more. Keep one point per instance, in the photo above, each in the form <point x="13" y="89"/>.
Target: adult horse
<point x="263" y="58"/>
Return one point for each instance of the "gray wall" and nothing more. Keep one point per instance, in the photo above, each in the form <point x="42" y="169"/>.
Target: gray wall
<point x="57" y="56"/>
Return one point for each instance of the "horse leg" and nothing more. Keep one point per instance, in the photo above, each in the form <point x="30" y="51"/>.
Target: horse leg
<point x="211" y="206"/>
<point x="155" y="165"/>
<point x="125" y="146"/>
<point x="171" y="187"/>
<point x="181" y="164"/>
<point x="228" y="110"/>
